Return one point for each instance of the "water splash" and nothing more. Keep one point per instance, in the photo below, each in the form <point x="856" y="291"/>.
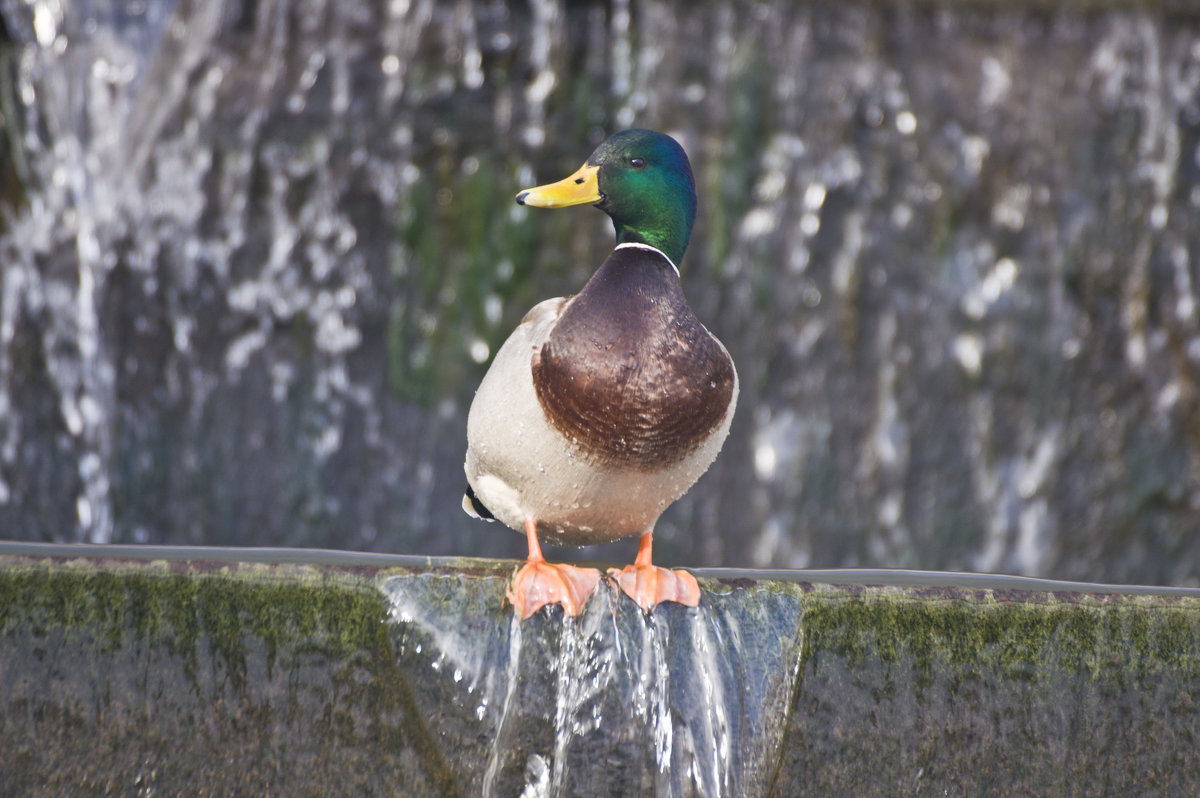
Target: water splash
<point x="78" y="80"/>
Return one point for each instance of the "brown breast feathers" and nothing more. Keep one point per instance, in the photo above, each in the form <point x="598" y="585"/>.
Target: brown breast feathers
<point x="629" y="373"/>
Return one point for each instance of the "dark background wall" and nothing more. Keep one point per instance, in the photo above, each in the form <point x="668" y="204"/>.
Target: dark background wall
<point x="256" y="256"/>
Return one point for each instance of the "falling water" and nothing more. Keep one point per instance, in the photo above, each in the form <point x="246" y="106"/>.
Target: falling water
<point x="154" y="669"/>
<point x="260" y="253"/>
<point x="693" y="702"/>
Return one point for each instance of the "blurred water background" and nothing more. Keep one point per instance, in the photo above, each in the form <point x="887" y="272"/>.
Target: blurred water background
<point x="256" y="256"/>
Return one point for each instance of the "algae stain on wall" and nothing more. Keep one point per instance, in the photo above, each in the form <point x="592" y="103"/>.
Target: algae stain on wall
<point x="1010" y="693"/>
<point x="119" y="676"/>
<point x="239" y="679"/>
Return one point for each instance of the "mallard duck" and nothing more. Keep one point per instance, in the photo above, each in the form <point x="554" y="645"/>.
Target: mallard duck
<point x="603" y="408"/>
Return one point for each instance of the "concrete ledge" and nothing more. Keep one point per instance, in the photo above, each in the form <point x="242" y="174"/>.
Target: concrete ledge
<point x="301" y="673"/>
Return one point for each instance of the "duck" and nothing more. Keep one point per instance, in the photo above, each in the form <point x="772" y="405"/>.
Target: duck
<point x="601" y="409"/>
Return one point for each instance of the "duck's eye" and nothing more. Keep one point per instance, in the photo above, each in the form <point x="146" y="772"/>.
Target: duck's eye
<point x="637" y="163"/>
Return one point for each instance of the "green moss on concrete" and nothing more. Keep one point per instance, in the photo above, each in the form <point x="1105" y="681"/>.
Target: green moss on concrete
<point x="245" y="677"/>
<point x="1090" y="634"/>
<point x="284" y="678"/>
<point x="981" y="693"/>
<point x="341" y="613"/>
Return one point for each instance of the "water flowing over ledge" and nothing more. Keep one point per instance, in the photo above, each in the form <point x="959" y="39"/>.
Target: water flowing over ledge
<point x="308" y="672"/>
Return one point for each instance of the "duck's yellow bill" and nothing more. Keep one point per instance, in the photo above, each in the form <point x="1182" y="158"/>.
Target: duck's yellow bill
<point x="580" y="188"/>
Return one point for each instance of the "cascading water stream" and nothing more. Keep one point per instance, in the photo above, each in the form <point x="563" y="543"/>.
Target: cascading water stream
<point x="77" y="78"/>
<point x="695" y="700"/>
<point x="156" y="669"/>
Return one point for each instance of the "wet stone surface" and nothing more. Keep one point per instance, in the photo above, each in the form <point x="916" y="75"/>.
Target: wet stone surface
<point x="163" y="672"/>
<point x="255" y="265"/>
<point x="681" y="702"/>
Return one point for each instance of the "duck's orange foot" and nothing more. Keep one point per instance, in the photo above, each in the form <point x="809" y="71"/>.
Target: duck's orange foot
<point x="539" y="583"/>
<point x="649" y="585"/>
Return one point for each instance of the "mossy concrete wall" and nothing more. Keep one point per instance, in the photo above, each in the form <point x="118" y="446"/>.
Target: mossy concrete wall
<point x="170" y="671"/>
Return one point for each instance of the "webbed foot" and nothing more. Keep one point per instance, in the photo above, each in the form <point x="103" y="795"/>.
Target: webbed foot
<point x="538" y="583"/>
<point x="649" y="585"/>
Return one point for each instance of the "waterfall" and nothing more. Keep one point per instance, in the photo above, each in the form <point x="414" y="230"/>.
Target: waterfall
<point x="258" y="254"/>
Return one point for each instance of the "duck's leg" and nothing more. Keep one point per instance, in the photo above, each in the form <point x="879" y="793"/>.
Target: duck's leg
<point x="648" y="584"/>
<point x="539" y="583"/>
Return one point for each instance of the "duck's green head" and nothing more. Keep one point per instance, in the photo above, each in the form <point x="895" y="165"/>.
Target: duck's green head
<point x="642" y="179"/>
